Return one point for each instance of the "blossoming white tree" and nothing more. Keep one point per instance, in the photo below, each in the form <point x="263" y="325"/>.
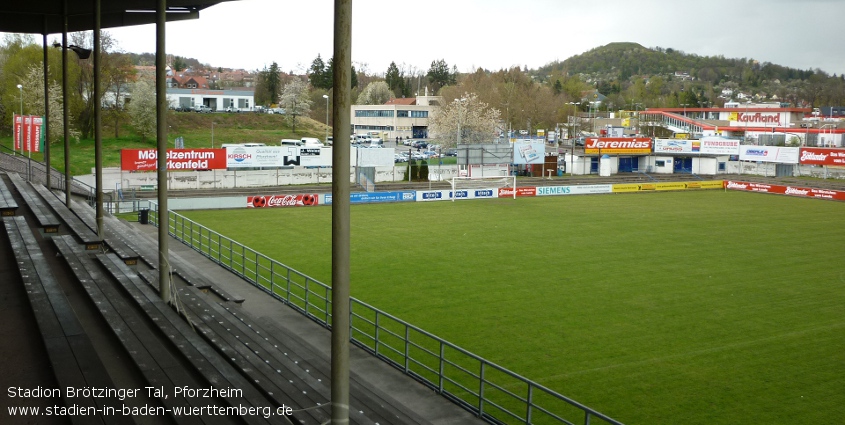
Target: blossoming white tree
<point x="295" y="100"/>
<point x="464" y="120"/>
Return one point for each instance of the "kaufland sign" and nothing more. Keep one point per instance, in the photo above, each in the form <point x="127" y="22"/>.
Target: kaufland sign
<point x="756" y="119"/>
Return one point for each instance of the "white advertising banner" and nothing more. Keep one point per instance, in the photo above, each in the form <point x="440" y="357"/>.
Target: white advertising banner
<point x="589" y="189"/>
<point x="528" y="152"/>
<point x="253" y="156"/>
<point x="304" y="156"/>
<point x="719" y="146"/>
<point x="673" y="146"/>
<point x="446" y="195"/>
<point x="779" y="154"/>
<point x="375" y="157"/>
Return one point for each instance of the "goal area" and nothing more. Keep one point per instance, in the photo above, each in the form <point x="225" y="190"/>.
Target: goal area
<point x="483" y="182"/>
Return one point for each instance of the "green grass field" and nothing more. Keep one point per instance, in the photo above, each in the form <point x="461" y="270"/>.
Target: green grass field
<point x="674" y="308"/>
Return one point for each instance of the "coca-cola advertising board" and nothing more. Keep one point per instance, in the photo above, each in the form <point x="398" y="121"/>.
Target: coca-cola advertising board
<point x="300" y="200"/>
<point x="177" y="159"/>
<point x="786" y="190"/>
<point x="617" y="145"/>
<point x="822" y="156"/>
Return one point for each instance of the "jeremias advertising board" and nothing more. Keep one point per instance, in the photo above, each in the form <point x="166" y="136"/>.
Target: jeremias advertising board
<point x="617" y="145"/>
<point x="177" y="159"/>
<point x="822" y="156"/>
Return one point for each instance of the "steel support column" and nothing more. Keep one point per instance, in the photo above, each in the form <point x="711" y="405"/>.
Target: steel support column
<point x="341" y="212"/>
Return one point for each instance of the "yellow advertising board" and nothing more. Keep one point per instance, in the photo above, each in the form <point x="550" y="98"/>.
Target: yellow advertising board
<point x="733" y="116"/>
<point x="648" y="187"/>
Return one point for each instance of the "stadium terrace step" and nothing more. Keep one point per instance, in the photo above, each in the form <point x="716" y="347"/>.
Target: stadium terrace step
<point x="8" y="205"/>
<point x="114" y="235"/>
<point x="148" y="253"/>
<point x="183" y="336"/>
<point x="47" y="221"/>
<point x="277" y="365"/>
<point x="159" y="364"/>
<point x="72" y="356"/>
<point x="82" y="232"/>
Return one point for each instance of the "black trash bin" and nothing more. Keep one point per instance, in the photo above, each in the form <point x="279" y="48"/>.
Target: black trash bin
<point x="144" y="216"/>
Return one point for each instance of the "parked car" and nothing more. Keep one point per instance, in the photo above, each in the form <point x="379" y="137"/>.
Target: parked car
<point x="430" y="154"/>
<point x="419" y="144"/>
<point x="408" y="142"/>
<point x="451" y="152"/>
<point x="417" y="156"/>
<point x="202" y="109"/>
<point x="399" y="158"/>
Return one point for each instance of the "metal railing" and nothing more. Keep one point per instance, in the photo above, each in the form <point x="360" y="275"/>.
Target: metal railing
<point x="490" y="391"/>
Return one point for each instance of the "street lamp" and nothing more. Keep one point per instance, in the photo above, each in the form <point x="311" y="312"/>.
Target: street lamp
<point x="325" y="96"/>
<point x="20" y="88"/>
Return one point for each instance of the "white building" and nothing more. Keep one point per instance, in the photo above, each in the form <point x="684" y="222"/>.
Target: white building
<point x="218" y="100"/>
<point x="402" y="118"/>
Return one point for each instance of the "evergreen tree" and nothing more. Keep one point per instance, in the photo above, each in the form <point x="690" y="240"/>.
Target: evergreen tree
<point x="319" y="75"/>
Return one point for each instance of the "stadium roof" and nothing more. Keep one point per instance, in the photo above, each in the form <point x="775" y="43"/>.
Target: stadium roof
<point x="45" y="16"/>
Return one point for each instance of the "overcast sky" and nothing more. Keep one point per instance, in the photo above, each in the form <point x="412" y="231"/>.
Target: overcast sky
<point x="495" y="34"/>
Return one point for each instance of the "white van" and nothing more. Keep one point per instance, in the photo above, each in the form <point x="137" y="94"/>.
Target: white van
<point x="311" y="142"/>
<point x="292" y="142"/>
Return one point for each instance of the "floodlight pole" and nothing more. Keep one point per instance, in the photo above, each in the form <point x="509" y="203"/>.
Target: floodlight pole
<point x="20" y="88"/>
<point x="341" y="213"/>
<point x="163" y="216"/>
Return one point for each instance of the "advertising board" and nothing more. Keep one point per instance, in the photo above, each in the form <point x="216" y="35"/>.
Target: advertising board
<point x="447" y="195"/>
<point x="177" y="159"/>
<point x="647" y="187"/>
<point x="375" y="197"/>
<point x="822" y="156"/>
<point x="786" y="190"/>
<point x="574" y="190"/>
<point x="300" y="200"/>
<point x="253" y="156"/>
<point x="676" y="146"/>
<point x="778" y="154"/>
<point x="617" y="145"/>
<point x="507" y="192"/>
<point x="719" y="146"/>
<point x="528" y="152"/>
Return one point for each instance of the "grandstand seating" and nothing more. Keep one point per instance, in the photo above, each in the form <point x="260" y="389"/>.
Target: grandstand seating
<point x="204" y="339"/>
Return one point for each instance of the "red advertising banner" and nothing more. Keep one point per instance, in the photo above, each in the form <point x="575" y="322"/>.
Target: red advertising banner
<point x="177" y="159"/>
<point x="507" y="192"/>
<point x="617" y="145"/>
<point x="28" y="132"/>
<point x="786" y="190"/>
<point x="822" y="156"/>
<point x="302" y="200"/>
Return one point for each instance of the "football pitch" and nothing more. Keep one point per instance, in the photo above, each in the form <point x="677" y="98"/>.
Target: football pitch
<point x="699" y="307"/>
